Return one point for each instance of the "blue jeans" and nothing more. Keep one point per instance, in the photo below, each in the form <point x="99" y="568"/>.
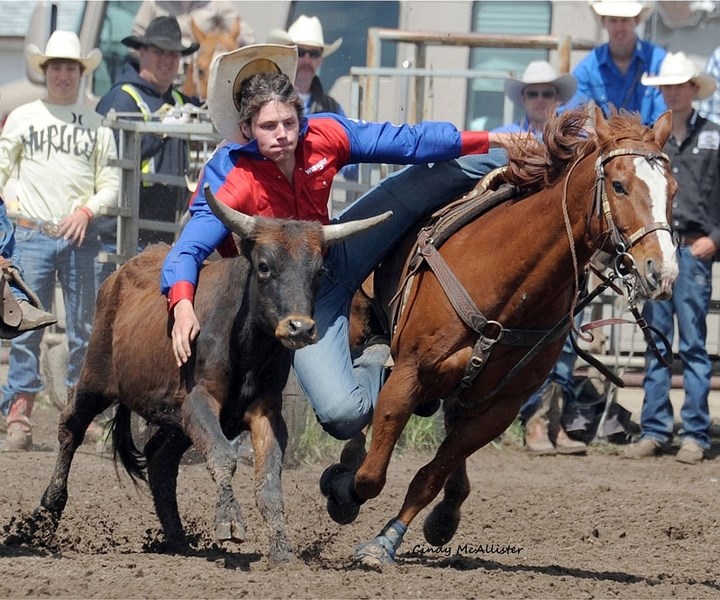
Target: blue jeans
<point x="562" y="373"/>
<point x="45" y="258"/>
<point x="8" y="249"/>
<point x="343" y="391"/>
<point x="689" y="304"/>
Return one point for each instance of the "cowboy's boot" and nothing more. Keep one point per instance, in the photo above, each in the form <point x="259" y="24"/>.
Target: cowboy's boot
<point x="558" y="436"/>
<point x="564" y="444"/>
<point x="537" y="440"/>
<point x="19" y="429"/>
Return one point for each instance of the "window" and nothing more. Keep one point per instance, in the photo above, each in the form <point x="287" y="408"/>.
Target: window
<point x="116" y="25"/>
<point x="350" y="21"/>
<point x="486" y="98"/>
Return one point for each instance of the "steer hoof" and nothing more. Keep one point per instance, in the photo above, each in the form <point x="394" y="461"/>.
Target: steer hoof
<point x="229" y="531"/>
<point x="337" y="483"/>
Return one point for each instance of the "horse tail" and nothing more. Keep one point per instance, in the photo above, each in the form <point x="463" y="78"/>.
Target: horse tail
<point x="124" y="446"/>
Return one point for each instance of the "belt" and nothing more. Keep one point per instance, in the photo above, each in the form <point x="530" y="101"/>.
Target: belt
<point x="45" y="227"/>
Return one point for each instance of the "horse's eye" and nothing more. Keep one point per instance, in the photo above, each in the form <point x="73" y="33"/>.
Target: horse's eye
<point x="618" y="187"/>
<point x="201" y="72"/>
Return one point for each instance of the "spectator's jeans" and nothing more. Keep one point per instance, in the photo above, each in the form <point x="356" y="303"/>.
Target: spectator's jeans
<point x="562" y="373"/>
<point x="690" y="303"/>
<point x="341" y="391"/>
<point x="44" y="257"/>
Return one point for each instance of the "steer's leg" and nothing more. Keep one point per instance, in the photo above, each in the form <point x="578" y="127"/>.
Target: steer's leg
<point x="269" y="438"/>
<point x="163" y="452"/>
<point x="82" y="408"/>
<point x="200" y="419"/>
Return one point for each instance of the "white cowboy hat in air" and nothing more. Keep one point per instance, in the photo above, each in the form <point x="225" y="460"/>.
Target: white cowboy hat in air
<point x="619" y="8"/>
<point x="64" y="45"/>
<point x="305" y="31"/>
<point x="540" y="71"/>
<point x="677" y="69"/>
<point x="229" y="70"/>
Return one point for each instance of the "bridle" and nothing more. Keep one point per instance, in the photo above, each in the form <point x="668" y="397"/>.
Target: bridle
<point x="602" y="204"/>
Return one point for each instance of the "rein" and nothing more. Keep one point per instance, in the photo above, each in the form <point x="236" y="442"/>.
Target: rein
<point x="492" y="332"/>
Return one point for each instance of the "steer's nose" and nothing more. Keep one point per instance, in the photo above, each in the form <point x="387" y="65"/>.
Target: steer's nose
<point x="296" y="331"/>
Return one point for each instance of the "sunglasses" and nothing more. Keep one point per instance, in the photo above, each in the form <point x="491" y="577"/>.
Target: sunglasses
<point x="532" y="94"/>
<point x="311" y="53"/>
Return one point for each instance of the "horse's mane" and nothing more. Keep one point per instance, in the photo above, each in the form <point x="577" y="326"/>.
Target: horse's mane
<point x="534" y="164"/>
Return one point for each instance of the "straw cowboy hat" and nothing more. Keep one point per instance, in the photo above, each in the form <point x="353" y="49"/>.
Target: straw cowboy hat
<point x="163" y="33"/>
<point x="677" y="69"/>
<point x="306" y="31"/>
<point x="228" y="72"/>
<point x="65" y="45"/>
<point x="540" y="71"/>
<point x="620" y="8"/>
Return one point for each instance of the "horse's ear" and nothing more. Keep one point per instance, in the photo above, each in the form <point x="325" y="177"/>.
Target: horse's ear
<point x="234" y="30"/>
<point x="198" y="34"/>
<point x="662" y="128"/>
<point x="601" y="128"/>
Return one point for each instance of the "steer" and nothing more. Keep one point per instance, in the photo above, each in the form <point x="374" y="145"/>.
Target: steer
<point x="254" y="310"/>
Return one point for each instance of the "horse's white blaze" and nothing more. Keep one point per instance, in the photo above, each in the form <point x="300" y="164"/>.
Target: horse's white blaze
<point x="657" y="185"/>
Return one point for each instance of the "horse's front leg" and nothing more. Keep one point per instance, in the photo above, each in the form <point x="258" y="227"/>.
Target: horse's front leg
<point x="466" y="432"/>
<point x="201" y="422"/>
<point x="269" y="439"/>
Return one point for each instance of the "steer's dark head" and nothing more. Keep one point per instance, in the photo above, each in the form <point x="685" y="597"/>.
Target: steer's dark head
<point x="287" y="260"/>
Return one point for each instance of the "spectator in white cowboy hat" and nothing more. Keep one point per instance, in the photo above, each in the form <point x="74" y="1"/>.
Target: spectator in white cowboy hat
<point x="61" y="151"/>
<point x="539" y="92"/>
<point x="694" y="152"/>
<point x="610" y="74"/>
<point x="307" y="34"/>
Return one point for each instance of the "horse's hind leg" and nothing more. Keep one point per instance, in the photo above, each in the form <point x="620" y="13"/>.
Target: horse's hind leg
<point x="163" y="452"/>
<point x="442" y="523"/>
<point x="269" y="438"/>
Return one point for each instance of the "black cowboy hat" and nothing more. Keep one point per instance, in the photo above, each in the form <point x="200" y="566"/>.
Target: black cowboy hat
<point x="163" y="33"/>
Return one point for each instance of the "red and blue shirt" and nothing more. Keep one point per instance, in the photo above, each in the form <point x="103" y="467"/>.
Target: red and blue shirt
<point x="242" y="178"/>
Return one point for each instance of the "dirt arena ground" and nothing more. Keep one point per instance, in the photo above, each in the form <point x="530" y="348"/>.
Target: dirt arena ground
<point x="561" y="527"/>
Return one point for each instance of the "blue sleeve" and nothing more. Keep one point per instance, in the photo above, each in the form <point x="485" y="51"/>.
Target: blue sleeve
<point x="655" y="105"/>
<point x="583" y="74"/>
<point x="429" y="141"/>
<point x="203" y="233"/>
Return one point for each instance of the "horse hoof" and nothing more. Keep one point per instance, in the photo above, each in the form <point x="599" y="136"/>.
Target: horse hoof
<point x="342" y="513"/>
<point x="373" y="555"/>
<point x="329" y="475"/>
<point x="336" y="483"/>
<point x="440" y="525"/>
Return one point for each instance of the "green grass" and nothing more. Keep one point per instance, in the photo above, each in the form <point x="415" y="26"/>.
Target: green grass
<point x="421" y="434"/>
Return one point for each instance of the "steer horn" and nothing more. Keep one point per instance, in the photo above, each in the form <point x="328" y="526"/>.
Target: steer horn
<point x="344" y="231"/>
<point x="244" y="225"/>
<point x="234" y="220"/>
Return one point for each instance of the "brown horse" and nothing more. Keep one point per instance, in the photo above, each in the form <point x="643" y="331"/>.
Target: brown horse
<point x="519" y="263"/>
<point x="211" y="43"/>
